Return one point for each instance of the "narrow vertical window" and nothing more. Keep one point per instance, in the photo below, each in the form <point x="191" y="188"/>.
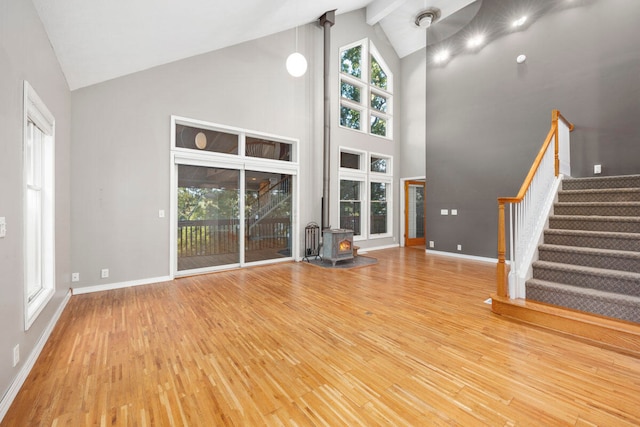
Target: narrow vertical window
<point x="39" y="160"/>
<point x="350" y="206"/>
<point x="378" y="221"/>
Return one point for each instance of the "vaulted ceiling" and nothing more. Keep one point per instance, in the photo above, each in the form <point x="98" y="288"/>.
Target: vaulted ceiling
<point x="100" y="40"/>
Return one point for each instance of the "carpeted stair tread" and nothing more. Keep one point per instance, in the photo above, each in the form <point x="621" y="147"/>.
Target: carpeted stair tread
<point x="624" y="282"/>
<point x="594" y="239"/>
<point x="600" y="194"/>
<point x="624" y="181"/>
<point x="590" y="258"/>
<point x="626" y="307"/>
<point x="618" y="224"/>
<point x="618" y="209"/>
<point x="609" y="259"/>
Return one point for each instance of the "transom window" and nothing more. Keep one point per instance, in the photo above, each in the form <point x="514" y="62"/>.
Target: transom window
<point x="366" y="88"/>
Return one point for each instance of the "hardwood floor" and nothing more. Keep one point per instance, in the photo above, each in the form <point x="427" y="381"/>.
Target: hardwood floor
<point x="407" y="341"/>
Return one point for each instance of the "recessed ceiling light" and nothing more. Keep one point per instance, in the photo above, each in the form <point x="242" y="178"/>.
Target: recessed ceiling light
<point x="520" y="21"/>
<point x="475" y="41"/>
<point x="441" y="56"/>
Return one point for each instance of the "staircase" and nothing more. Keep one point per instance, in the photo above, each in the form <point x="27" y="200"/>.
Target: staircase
<point x="590" y="258"/>
<point x="268" y="201"/>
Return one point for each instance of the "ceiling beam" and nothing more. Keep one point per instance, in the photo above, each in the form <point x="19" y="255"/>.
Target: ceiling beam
<point x="378" y="9"/>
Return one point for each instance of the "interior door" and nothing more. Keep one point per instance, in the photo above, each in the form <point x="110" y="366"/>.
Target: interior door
<point x="414" y="213"/>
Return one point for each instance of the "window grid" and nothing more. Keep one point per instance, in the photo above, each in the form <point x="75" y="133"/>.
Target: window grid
<point x="365" y="90"/>
<point x="370" y="212"/>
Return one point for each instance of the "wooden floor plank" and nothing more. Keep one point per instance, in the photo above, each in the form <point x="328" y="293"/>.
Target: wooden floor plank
<point x="406" y="341"/>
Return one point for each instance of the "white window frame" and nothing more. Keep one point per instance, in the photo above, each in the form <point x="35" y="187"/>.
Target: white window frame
<point x="364" y="223"/>
<point x="241" y="162"/>
<point x="386" y="178"/>
<point x="366" y="177"/>
<point x="36" y="112"/>
<point x="367" y="89"/>
<point x="360" y="174"/>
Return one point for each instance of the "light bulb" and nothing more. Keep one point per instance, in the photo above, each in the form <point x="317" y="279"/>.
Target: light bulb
<point x="296" y="64"/>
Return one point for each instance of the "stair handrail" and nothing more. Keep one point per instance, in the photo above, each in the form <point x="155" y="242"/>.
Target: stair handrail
<point x="532" y="199"/>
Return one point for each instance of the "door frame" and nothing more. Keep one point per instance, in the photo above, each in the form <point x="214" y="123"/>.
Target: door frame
<point x="403" y="207"/>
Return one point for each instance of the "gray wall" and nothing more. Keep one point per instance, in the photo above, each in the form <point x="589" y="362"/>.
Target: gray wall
<point x="412" y="122"/>
<point x="121" y="141"/>
<point x="25" y="54"/>
<point x="121" y="145"/>
<point x="488" y="116"/>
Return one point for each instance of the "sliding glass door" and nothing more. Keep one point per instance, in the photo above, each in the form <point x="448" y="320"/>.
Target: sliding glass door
<point x="232" y="197"/>
<point x="268" y="207"/>
<point x="208" y="209"/>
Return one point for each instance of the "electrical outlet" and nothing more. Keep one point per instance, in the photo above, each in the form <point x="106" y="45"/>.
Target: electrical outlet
<point x="75" y="277"/>
<point x="444" y="212"/>
<point x="16" y="354"/>
<point x="104" y="273"/>
<point x="454" y="211"/>
<point x="432" y="244"/>
<point x="597" y="168"/>
<point x="459" y="247"/>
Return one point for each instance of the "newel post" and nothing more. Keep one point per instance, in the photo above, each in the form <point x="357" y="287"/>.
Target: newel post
<point x="501" y="273"/>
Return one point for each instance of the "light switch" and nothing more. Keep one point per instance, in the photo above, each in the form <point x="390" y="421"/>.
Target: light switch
<point x="3" y="226"/>
<point x="161" y="213"/>
<point x="454" y="211"/>
<point x="444" y="211"/>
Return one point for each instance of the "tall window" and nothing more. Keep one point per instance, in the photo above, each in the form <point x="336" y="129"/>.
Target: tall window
<point x="365" y="193"/>
<point x="351" y="205"/>
<point x="39" y="272"/>
<point x="365" y="90"/>
<point x="378" y="223"/>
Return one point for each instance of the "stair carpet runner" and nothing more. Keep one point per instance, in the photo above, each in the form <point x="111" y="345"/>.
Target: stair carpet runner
<point x="590" y="258"/>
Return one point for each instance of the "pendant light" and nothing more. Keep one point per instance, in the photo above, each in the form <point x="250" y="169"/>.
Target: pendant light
<point x="296" y="62"/>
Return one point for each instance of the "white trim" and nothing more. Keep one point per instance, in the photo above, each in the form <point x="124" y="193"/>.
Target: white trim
<point x="377" y="248"/>
<point x="454" y="255"/>
<point x="385" y="67"/>
<point x="19" y="380"/>
<point x="34" y="109"/>
<point x="119" y="285"/>
<point x="239" y="162"/>
<point x="388" y="157"/>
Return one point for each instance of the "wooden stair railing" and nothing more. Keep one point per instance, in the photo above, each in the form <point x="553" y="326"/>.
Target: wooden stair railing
<point x="603" y="332"/>
<point x="552" y="136"/>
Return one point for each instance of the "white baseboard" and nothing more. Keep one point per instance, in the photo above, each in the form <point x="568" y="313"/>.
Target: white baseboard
<point x="119" y="285"/>
<point x="470" y="257"/>
<point x="376" y="248"/>
<point x="17" y="383"/>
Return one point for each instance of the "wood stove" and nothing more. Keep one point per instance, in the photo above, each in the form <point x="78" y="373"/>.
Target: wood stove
<point x="337" y="245"/>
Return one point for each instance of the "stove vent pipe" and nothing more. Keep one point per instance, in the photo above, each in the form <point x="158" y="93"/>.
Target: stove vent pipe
<point x="326" y="21"/>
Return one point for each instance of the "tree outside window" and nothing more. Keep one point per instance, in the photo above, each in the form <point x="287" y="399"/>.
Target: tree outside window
<point x="365" y="90"/>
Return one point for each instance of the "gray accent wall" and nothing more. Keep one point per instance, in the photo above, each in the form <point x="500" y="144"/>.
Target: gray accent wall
<point x="488" y="116"/>
<point x="25" y="54"/>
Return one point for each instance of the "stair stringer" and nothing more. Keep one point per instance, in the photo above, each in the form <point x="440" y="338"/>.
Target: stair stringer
<point x="524" y="270"/>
